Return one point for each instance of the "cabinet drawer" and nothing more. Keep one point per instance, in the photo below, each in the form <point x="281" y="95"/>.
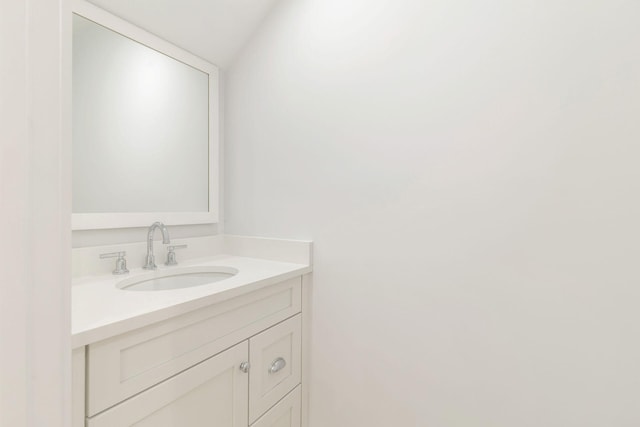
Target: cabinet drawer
<point x="275" y="358"/>
<point x="120" y="367"/>
<point x="213" y="392"/>
<point x="286" y="413"/>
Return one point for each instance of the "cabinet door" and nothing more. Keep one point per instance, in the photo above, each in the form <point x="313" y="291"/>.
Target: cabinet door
<point x="275" y="357"/>
<point x="125" y="365"/>
<point x="286" y="413"/>
<point x="212" y="393"/>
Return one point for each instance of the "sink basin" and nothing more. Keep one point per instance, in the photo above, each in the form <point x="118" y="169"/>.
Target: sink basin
<point x="189" y="277"/>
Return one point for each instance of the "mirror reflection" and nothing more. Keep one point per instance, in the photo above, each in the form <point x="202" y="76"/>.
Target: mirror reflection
<point x="140" y="127"/>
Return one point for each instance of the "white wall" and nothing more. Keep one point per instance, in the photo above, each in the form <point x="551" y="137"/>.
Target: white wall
<point x="35" y="220"/>
<point x="469" y="174"/>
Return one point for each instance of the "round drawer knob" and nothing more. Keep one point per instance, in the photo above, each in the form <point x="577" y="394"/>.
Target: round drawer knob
<point x="244" y="367"/>
<point x="277" y="365"/>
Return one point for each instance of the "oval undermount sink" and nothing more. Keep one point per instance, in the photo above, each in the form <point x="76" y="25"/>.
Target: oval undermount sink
<point x="188" y="277"/>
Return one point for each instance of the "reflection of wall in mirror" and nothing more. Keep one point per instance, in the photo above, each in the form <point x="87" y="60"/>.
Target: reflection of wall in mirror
<point x="140" y="127"/>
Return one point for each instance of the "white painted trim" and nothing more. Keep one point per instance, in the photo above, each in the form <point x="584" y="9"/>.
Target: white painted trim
<point x="103" y="221"/>
<point x="127" y="29"/>
<point x="78" y="381"/>
<point x="95" y="221"/>
<point x="307" y="313"/>
<point x="35" y="339"/>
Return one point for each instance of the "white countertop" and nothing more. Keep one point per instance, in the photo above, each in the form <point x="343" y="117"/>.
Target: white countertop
<point x="100" y="310"/>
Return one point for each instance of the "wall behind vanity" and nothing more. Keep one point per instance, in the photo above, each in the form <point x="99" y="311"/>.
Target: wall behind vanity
<point x="468" y="173"/>
<point x="85" y="238"/>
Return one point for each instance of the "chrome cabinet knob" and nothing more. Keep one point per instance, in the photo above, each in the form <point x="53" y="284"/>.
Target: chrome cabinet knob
<point x="121" y="262"/>
<point x="244" y="367"/>
<point x="277" y="365"/>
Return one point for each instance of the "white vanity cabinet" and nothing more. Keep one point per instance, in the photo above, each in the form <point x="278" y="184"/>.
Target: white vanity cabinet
<point x="276" y="362"/>
<point x="285" y="413"/>
<point x="213" y="392"/>
<point x="232" y="364"/>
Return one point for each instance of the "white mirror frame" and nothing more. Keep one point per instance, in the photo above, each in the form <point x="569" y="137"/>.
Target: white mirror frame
<point x="93" y="221"/>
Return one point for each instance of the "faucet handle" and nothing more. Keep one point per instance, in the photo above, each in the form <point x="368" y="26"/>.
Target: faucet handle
<point x="121" y="262"/>
<point x="171" y="255"/>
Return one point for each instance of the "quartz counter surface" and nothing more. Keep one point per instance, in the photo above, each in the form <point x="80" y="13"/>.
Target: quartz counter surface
<point x="100" y="310"/>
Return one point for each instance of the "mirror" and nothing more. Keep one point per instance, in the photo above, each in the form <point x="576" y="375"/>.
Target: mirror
<point x="144" y="128"/>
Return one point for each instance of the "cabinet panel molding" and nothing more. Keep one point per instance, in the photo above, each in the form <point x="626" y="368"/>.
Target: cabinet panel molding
<point x="213" y="392"/>
<point x="285" y="413"/>
<point x="276" y="365"/>
<point x="125" y="365"/>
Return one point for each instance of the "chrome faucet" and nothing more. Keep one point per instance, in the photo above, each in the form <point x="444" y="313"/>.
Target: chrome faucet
<point x="150" y="264"/>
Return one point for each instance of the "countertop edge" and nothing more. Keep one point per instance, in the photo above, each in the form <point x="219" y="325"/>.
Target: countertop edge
<point x="86" y="337"/>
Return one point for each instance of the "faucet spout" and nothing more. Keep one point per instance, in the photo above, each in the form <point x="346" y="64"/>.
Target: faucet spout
<point x="150" y="263"/>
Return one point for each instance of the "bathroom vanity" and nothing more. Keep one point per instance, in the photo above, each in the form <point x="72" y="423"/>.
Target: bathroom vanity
<point x="229" y="353"/>
<point x="214" y="336"/>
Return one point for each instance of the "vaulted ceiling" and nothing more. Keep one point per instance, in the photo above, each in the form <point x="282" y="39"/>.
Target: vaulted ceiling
<point x="212" y="29"/>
